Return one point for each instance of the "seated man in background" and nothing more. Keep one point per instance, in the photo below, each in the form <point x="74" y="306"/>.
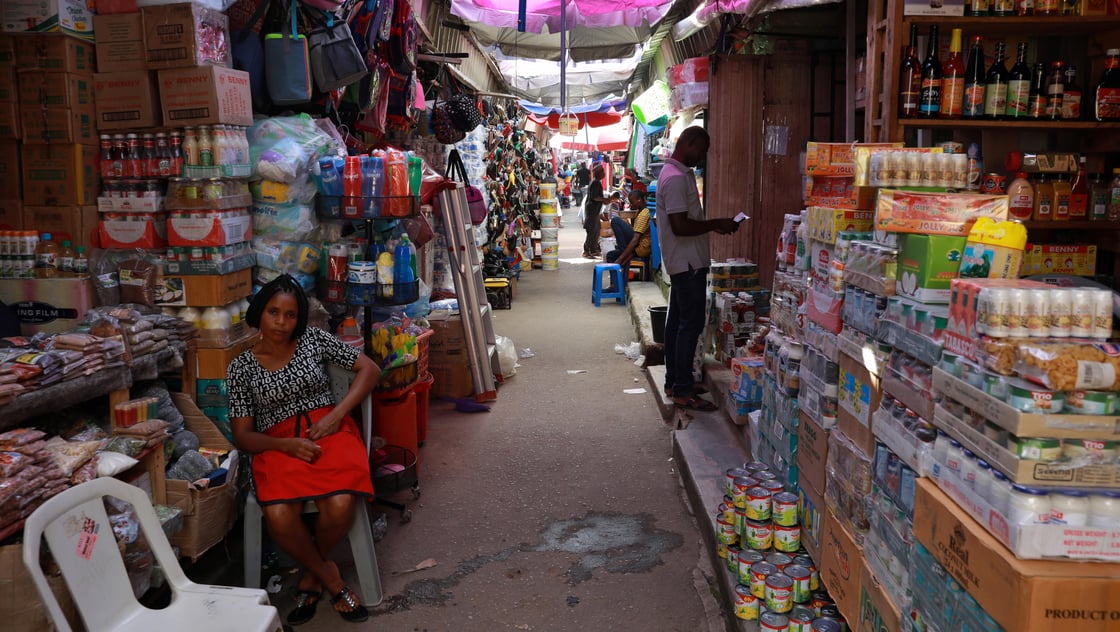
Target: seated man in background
<point x="631" y="241"/>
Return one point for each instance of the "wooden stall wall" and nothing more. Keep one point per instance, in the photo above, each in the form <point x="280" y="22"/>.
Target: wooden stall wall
<point x="759" y="117"/>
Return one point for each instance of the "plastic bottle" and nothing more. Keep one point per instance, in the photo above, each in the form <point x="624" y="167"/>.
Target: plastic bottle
<point x="190" y="148"/>
<point x="205" y="147"/>
<point x="192" y="316"/>
<point x="952" y="79"/>
<point x="176" y="153"/>
<point x="1020" y="195"/>
<point x="1043" y="199"/>
<point x="1079" y="193"/>
<point x="81" y="263"/>
<point x="330" y="182"/>
<point x="1113" y="214"/>
<point x="377" y="173"/>
<point x="404" y="275"/>
<point x="66" y="260"/>
<point x="1106" y="97"/>
<point x="415" y="174"/>
<point x="352" y="187"/>
<point x="386" y="270"/>
<point x="1071" y="98"/>
<point x="1099" y="194"/>
<point x="46" y="258"/>
<point x="369" y="187"/>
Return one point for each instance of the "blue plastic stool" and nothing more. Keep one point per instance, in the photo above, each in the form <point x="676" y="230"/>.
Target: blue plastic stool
<point x="598" y="293"/>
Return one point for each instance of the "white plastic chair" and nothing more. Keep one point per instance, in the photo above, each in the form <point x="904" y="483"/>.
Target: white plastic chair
<point x="361" y="533"/>
<point x="80" y="537"/>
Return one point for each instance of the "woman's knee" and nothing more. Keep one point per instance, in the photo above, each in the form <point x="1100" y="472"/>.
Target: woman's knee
<point x="282" y="518"/>
<point x="337" y="509"/>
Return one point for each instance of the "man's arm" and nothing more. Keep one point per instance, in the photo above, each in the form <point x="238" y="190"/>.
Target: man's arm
<point x="685" y="226"/>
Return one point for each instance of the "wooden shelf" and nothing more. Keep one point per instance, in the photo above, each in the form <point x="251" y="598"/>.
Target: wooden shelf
<point x="1039" y="26"/>
<point x="1056" y="126"/>
<point x="1077" y="225"/>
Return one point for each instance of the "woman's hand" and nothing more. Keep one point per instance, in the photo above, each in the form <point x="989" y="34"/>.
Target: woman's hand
<point x="302" y="449"/>
<point x="328" y="425"/>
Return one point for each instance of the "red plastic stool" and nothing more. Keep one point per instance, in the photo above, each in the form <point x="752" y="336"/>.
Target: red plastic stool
<point x="394" y="420"/>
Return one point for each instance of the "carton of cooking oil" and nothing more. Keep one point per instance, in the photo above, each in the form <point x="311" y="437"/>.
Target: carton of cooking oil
<point x="994" y="250"/>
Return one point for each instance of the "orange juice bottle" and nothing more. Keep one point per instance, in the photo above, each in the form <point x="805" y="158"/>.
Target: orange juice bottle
<point x="1043" y="199"/>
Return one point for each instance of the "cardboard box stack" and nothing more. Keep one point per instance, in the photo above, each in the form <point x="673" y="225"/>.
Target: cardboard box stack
<point x="943" y="437"/>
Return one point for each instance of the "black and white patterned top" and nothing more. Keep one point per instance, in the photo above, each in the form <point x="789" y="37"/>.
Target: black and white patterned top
<point x="302" y="385"/>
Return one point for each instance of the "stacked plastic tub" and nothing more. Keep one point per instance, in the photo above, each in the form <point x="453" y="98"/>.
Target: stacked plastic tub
<point x="550" y="228"/>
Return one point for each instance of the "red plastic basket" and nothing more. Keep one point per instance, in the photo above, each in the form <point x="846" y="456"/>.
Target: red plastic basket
<point x="422" y="351"/>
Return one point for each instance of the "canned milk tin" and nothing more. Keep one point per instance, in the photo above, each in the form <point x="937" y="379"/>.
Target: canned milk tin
<point x="765" y="475"/>
<point x="801" y="619"/>
<point x="784" y="509"/>
<point x="781" y="560"/>
<point x="821" y="600"/>
<point x="759" y="572"/>
<point x="756" y="466"/>
<point x="759" y="535"/>
<point x="739" y="490"/>
<point x="774" y="485"/>
<point x="787" y="539"/>
<point x="746" y="604"/>
<point x="726" y="511"/>
<point x="758" y="503"/>
<point x="826" y="625"/>
<point x="732" y="558"/>
<point x="779" y="593"/>
<point x="747" y="559"/>
<point x="802" y="593"/>
<point x="814" y="577"/>
<point x="729" y="478"/>
<point x="773" y="622"/>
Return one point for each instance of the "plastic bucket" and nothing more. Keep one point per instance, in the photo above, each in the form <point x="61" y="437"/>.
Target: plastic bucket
<point x="548" y="192"/>
<point x="606" y="244"/>
<point x="548" y="207"/>
<point x="550" y="220"/>
<point x="550" y="249"/>
<point x="550" y="262"/>
<point x="657" y="320"/>
<point x="550" y="234"/>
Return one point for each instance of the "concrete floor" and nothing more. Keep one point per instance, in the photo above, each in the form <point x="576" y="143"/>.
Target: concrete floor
<point x="563" y="507"/>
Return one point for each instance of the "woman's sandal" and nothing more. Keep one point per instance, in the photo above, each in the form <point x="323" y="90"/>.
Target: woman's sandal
<point x="357" y="612"/>
<point x="696" y="403"/>
<point x="306" y="603"/>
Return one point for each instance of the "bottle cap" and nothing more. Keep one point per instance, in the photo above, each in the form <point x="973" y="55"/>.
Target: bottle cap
<point x="65" y="243"/>
<point x="46" y="236"/>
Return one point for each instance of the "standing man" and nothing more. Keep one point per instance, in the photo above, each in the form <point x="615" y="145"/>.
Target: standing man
<point x="682" y="228"/>
<point x="595" y="201"/>
<point x="583" y="178"/>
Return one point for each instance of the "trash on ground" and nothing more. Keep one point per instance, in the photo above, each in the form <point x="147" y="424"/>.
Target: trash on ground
<point x="633" y="391"/>
<point x="526" y="353"/>
<point x="632" y="350"/>
<point x="576" y="371"/>
<point x="274" y="585"/>
<point x="428" y="563"/>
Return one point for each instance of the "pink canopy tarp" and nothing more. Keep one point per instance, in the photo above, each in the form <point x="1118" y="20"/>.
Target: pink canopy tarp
<point x="608" y="138"/>
<point x="542" y="14"/>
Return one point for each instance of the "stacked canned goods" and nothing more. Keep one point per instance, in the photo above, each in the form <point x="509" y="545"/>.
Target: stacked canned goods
<point x="759" y="539"/>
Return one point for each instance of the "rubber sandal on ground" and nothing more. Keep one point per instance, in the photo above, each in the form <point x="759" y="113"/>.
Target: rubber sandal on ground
<point x="695" y="403"/>
<point x="306" y="603"/>
<point x="696" y="390"/>
<point x="357" y="612"/>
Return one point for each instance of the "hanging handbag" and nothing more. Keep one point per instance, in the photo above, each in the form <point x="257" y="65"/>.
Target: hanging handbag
<point x="288" y="68"/>
<point x="462" y="108"/>
<point x="247" y="52"/>
<point x="475" y="202"/>
<point x="443" y="126"/>
<point x="335" y="59"/>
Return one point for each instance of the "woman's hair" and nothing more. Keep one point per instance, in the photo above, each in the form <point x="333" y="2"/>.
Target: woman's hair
<point x="282" y="284"/>
<point x="598" y="170"/>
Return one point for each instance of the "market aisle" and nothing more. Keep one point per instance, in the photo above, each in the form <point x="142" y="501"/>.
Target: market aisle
<point x="558" y="510"/>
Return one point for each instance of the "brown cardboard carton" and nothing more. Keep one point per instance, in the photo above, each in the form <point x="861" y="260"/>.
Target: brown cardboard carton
<point x="812" y="452"/>
<point x="1021" y="595"/>
<point x="9" y="83"/>
<point x="11" y="214"/>
<point x="171" y="36"/>
<point x="451" y="380"/>
<point x="204" y="290"/>
<point x="55" y="90"/>
<point x="212" y="364"/>
<point x="812" y="515"/>
<point x="127" y="100"/>
<point x="841" y="560"/>
<point x="66" y="125"/>
<point x="448" y="343"/>
<point x="860" y="393"/>
<point x="76" y="223"/>
<point x="21" y="608"/>
<point x="877" y="613"/>
<point x="209" y="95"/>
<point x="10" y="127"/>
<point x="53" y="52"/>
<point x="10" y="175"/>
<point x="59" y="174"/>
<point x="120" y="42"/>
<point x="7" y="51"/>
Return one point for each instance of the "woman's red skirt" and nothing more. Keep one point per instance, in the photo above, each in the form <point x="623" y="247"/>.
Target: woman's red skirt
<point x="342" y="467"/>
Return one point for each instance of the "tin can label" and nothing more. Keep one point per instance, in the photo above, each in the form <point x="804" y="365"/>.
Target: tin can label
<point x="746" y="604"/>
<point x="747" y="559"/>
<point x="759" y="573"/>
<point x="779" y="593"/>
<point x="784" y="510"/>
<point x="760" y="536"/>
<point x="732" y="559"/>
<point x="725" y="532"/>
<point x="758" y="504"/>
<point x="802" y="591"/>
<point x="773" y="622"/>
<point x="787" y="539"/>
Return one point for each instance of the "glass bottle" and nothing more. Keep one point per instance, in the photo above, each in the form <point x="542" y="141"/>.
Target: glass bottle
<point x="66" y="260"/>
<point x="190" y="148"/>
<point x="1036" y="106"/>
<point x="1106" y="97"/>
<point x="973" y="105"/>
<point x="105" y="156"/>
<point x="1048" y="8"/>
<point x="148" y="156"/>
<point x="910" y="78"/>
<point x="205" y="147"/>
<point x="1099" y="194"/>
<point x="1071" y="98"/>
<point x="1019" y="86"/>
<point x="163" y="156"/>
<point x="1113" y="214"/>
<point x="1003" y="8"/>
<point x="1055" y="88"/>
<point x="46" y="258"/>
<point x="133" y="162"/>
<point x="120" y="153"/>
<point x="1043" y="199"/>
<point x="81" y="262"/>
<point x="929" y="101"/>
<point x="978" y="8"/>
<point x="1062" y="193"/>
<point x="1024" y="8"/>
<point x="952" y="79"/>
<point x="995" y="86"/>
<point x="1079" y="193"/>
<point x="175" y="146"/>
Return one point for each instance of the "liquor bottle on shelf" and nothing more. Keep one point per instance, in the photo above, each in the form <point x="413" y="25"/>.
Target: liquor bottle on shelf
<point x="1099" y="194"/>
<point x="995" y="86"/>
<point x="1071" y="98"/>
<point x="1036" y="106"/>
<point x="910" y="78"/>
<point x="973" y="104"/>
<point x="1062" y="194"/>
<point x="1055" y="89"/>
<point x="1019" y="86"/>
<point x="1047" y="8"/>
<point x="978" y="8"/>
<point x="1106" y="98"/>
<point x="1079" y="194"/>
<point x="929" y="102"/>
<point x="1043" y="199"/>
<point x="1003" y="8"/>
<point x="952" y="79"/>
<point x="1024" y="8"/>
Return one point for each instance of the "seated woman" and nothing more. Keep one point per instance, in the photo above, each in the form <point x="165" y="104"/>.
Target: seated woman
<point x="304" y="447"/>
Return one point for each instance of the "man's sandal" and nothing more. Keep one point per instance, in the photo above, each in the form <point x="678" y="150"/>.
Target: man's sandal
<point x="695" y="403"/>
<point x="357" y="612"/>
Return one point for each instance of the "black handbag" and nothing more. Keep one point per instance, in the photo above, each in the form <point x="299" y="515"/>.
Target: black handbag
<point x="336" y="61"/>
<point x="442" y="124"/>
<point x="462" y="109"/>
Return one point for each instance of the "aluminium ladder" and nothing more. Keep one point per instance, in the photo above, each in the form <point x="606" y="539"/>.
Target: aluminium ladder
<point x="475" y="310"/>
